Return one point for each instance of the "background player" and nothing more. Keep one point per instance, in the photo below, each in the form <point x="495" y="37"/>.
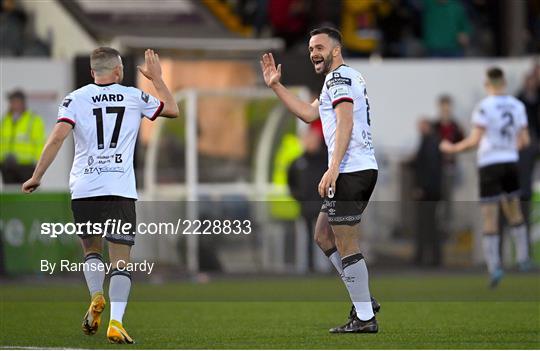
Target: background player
<point x="352" y="170"/>
<point x="105" y="118"/>
<point x="500" y="128"/>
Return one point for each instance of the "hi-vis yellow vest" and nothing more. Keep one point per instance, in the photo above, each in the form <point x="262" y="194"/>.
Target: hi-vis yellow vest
<point x="23" y="139"/>
<point x="285" y="207"/>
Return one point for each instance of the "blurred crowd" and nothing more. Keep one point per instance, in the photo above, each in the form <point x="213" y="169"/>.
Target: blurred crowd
<point x="397" y="28"/>
<point x="17" y="36"/>
<point x="388" y="28"/>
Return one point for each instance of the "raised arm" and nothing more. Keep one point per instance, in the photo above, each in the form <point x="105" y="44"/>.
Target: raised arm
<point x="152" y="71"/>
<point x="56" y="139"/>
<point x="272" y="75"/>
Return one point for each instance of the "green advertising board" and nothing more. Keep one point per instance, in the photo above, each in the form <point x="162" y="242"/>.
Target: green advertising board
<point x="21" y="217"/>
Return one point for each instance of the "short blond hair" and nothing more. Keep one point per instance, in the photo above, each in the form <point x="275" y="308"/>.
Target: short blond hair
<point x="104" y="59"/>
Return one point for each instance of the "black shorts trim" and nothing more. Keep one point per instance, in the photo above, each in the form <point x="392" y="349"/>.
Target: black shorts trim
<point x="352" y="194"/>
<point x="99" y="209"/>
<point x="497" y="180"/>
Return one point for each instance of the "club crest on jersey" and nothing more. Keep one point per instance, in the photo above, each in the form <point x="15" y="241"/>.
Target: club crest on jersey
<point x="337" y="79"/>
<point x="108" y="97"/>
<point x="145" y="97"/>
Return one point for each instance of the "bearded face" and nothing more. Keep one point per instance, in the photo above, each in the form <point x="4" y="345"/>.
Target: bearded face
<point x="320" y="48"/>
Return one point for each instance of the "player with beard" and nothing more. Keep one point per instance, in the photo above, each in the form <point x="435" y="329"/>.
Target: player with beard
<point x="348" y="183"/>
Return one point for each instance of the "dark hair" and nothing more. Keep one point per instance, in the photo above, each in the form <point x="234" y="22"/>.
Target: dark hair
<point x="445" y="99"/>
<point x="495" y="75"/>
<point x="331" y="32"/>
<point x="16" y="94"/>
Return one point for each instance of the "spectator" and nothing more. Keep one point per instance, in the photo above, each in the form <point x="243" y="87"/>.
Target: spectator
<point x="446" y="125"/>
<point x="12" y="29"/>
<point x="446" y="28"/>
<point x="428" y="185"/>
<point x="359" y="25"/>
<point x="530" y="96"/>
<point x="397" y="29"/>
<point x="289" y="19"/>
<point x="22" y="137"/>
<point x="304" y="176"/>
<point x="324" y="13"/>
<point x="447" y="128"/>
<point x="533" y="25"/>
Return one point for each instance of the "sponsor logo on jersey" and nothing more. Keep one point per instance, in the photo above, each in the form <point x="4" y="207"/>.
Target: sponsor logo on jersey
<point x="105" y="169"/>
<point x="340" y="91"/>
<point x="337" y="79"/>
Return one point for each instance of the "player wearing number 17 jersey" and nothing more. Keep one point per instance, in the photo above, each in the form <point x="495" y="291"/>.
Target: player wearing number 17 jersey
<point x="105" y="118"/>
<point x="500" y="130"/>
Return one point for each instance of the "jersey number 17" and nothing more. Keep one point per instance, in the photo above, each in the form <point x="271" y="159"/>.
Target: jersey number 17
<point x="98" y="113"/>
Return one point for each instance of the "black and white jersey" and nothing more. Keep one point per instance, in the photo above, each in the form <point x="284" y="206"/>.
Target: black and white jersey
<point x="502" y="117"/>
<point x="106" y="121"/>
<point x="346" y="84"/>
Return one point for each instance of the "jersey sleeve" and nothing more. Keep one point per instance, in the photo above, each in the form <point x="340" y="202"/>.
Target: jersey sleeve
<point x="150" y="106"/>
<point x="339" y="89"/>
<point x="479" y="117"/>
<point x="67" y="111"/>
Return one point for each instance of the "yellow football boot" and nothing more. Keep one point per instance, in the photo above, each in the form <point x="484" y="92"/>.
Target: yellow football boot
<point x="92" y="318"/>
<point x="117" y="334"/>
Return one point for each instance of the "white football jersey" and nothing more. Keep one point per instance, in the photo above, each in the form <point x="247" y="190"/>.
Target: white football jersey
<point x="346" y="84"/>
<point x="502" y="117"/>
<point x="106" y="121"/>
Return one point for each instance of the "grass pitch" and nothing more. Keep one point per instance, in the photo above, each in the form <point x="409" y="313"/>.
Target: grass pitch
<point x="418" y="311"/>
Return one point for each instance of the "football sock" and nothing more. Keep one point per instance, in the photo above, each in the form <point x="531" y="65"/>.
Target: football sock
<point x="490" y="244"/>
<point x="519" y="233"/>
<point x="335" y="258"/>
<point x="94" y="273"/>
<point x="119" y="292"/>
<point x="355" y="277"/>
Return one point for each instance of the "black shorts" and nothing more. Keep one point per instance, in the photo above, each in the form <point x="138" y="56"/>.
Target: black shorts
<point x="497" y="180"/>
<point x="351" y="197"/>
<point x="118" y="210"/>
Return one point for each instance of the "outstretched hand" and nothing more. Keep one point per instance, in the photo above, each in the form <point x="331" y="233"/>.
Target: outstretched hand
<point x="271" y="73"/>
<point x="151" y="68"/>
